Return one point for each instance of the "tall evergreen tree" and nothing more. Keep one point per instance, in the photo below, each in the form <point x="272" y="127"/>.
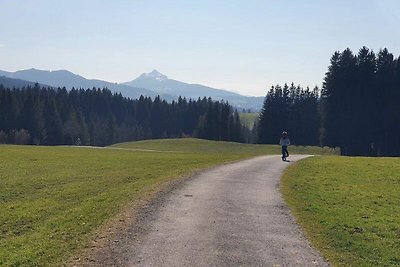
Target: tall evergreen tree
<point x="360" y="103"/>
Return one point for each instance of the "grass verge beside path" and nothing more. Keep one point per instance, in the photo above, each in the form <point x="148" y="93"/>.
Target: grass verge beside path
<point x="53" y="199"/>
<point x="349" y="207"/>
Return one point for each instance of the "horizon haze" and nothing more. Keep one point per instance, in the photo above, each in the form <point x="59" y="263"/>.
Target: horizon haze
<point x="245" y="46"/>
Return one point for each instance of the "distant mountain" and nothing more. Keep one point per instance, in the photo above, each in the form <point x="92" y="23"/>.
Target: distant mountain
<point x="161" y="84"/>
<point x="61" y="78"/>
<point x="148" y="84"/>
<point x="17" y="83"/>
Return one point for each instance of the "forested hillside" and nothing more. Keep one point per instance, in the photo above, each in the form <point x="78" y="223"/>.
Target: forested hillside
<point x="35" y="115"/>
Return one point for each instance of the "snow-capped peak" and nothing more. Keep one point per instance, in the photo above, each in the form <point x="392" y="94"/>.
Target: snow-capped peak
<point x="156" y="75"/>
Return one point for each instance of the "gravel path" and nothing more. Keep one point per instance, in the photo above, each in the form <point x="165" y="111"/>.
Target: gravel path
<point x="232" y="215"/>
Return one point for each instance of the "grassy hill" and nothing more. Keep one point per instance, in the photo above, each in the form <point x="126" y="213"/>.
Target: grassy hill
<point x="54" y="199"/>
<point x="199" y="146"/>
<point x="349" y="207"/>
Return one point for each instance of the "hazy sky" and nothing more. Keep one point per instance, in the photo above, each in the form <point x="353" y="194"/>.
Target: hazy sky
<point x="245" y="46"/>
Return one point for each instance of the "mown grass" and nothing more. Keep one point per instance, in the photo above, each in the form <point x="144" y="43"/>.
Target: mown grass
<point x="53" y="199"/>
<point x="349" y="207"/>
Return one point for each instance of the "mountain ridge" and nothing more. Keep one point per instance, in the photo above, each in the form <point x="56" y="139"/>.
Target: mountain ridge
<point x="147" y="84"/>
<point x="160" y="83"/>
<point x="17" y="83"/>
<point x="68" y="79"/>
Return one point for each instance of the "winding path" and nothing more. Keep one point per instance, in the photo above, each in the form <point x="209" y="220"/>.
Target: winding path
<point x="232" y="215"/>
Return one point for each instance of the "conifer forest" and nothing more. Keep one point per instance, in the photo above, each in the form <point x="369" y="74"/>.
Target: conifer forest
<point x="46" y="116"/>
<point x="357" y="109"/>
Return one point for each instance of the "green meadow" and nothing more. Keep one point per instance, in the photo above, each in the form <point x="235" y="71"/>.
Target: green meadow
<point x="198" y="146"/>
<point x="248" y="119"/>
<point x="53" y="199"/>
<point x="349" y="207"/>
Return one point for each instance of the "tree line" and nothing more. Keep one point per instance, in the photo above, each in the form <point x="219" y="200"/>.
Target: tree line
<point x="47" y="116"/>
<point x="360" y="99"/>
<point x="293" y="109"/>
<point x="357" y="109"/>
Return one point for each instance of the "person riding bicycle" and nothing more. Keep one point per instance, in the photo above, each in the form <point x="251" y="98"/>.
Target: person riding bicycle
<point x="284" y="142"/>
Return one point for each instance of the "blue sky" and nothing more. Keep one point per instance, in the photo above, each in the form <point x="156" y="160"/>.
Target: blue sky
<point x="243" y="46"/>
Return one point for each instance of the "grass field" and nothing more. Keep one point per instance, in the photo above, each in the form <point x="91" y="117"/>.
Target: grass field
<point x="248" y="119"/>
<point x="54" y="198"/>
<point x="349" y="207"/>
<point x="198" y="146"/>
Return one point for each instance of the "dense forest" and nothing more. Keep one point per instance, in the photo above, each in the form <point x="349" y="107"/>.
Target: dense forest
<point x="357" y="110"/>
<point x="293" y="109"/>
<point x="38" y="115"/>
<point x="361" y="103"/>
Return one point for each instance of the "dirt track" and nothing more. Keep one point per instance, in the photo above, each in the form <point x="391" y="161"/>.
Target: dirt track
<point x="232" y="215"/>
